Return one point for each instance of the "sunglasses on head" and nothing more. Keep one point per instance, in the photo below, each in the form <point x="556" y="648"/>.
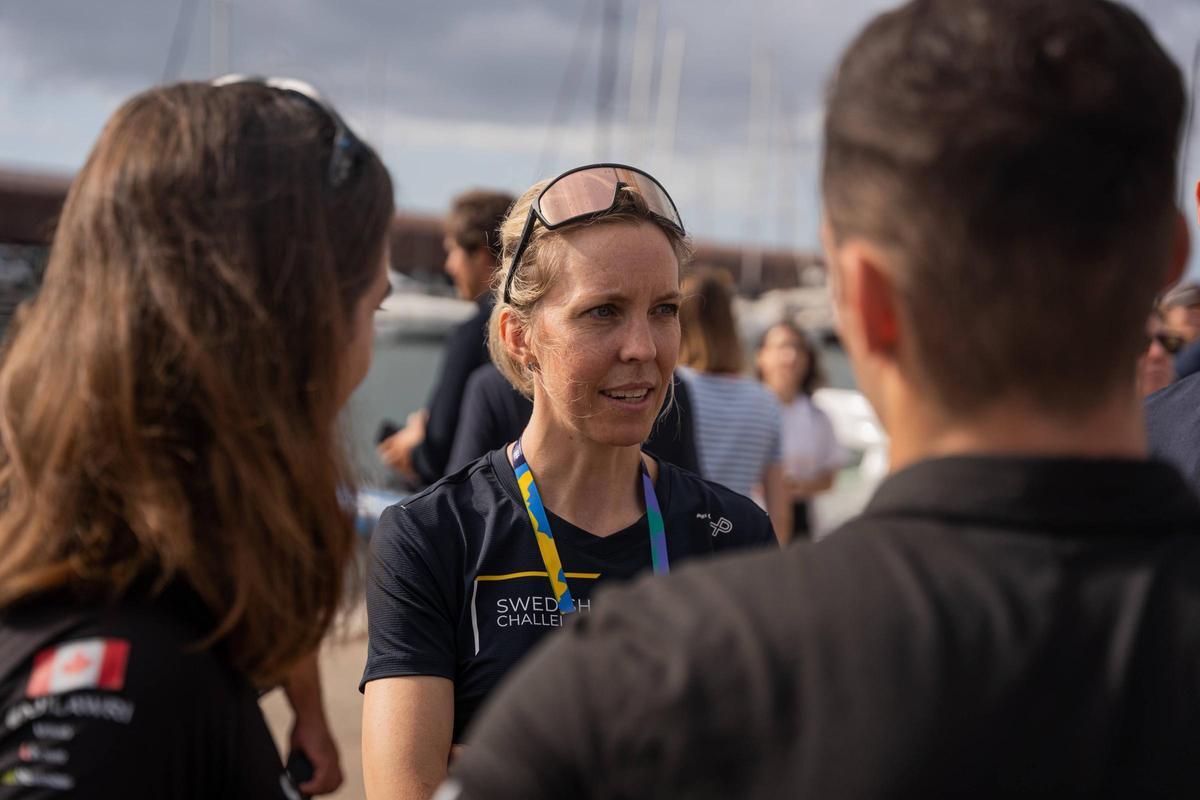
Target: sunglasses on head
<point x="586" y="193"/>
<point x="345" y="143"/>
<point x="1169" y="342"/>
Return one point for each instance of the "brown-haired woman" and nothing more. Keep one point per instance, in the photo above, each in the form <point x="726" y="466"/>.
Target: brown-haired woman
<point x="172" y="533"/>
<point x="737" y="421"/>
<point x="789" y="365"/>
<point x="471" y="574"/>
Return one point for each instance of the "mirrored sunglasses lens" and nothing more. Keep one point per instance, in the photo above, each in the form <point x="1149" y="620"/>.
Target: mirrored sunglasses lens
<point x="656" y="199"/>
<point x="585" y="192"/>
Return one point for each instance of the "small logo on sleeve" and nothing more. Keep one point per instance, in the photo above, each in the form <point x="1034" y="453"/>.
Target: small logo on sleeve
<point x="85" y="664"/>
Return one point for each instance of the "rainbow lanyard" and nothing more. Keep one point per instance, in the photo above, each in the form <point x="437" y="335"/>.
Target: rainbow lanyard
<point x="545" y="537"/>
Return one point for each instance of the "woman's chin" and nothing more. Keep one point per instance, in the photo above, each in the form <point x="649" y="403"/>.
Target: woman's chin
<point x="625" y="435"/>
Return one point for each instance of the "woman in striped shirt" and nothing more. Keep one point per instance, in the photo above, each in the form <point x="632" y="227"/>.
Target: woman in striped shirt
<point x="737" y="421"/>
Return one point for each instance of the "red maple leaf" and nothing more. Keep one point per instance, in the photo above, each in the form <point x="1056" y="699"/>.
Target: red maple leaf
<point x="78" y="663"/>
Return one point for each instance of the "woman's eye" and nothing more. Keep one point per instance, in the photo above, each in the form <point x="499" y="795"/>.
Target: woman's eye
<point x="603" y="312"/>
<point x="669" y="309"/>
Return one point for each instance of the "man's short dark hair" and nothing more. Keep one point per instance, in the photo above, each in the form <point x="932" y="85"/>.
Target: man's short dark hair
<point x="475" y="217"/>
<point x="1017" y="159"/>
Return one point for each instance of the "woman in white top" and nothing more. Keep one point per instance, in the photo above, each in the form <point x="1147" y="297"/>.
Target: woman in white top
<point x="736" y="420"/>
<point x="788" y="364"/>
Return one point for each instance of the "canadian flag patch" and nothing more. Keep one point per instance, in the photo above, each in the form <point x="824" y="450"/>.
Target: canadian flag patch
<point x="85" y="664"/>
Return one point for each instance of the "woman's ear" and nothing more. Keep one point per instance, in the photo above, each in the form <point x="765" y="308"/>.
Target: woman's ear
<point x="514" y="336"/>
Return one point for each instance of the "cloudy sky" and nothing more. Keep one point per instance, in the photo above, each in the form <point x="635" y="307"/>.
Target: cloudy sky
<point x="459" y="93"/>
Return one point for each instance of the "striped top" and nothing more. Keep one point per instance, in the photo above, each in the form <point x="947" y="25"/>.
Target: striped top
<point x="738" y="428"/>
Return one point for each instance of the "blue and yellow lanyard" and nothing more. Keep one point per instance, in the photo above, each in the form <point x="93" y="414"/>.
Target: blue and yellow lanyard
<point x="545" y="537"/>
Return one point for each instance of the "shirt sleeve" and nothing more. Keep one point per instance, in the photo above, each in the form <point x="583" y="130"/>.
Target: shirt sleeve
<point x="465" y="351"/>
<point x="755" y="529"/>
<point x="410" y="602"/>
<point x="776" y="417"/>
<point x="475" y="428"/>
<point x="493" y="414"/>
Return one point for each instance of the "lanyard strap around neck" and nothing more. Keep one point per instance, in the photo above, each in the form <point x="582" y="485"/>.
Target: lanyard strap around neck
<point x="545" y="537"/>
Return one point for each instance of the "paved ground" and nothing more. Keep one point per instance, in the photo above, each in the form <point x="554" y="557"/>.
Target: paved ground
<point x="342" y="657"/>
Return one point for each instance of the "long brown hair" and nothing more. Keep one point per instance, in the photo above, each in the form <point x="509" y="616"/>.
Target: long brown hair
<point x="168" y="403"/>
<point x="709" y="337"/>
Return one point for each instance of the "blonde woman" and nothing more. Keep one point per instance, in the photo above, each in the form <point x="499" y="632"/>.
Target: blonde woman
<point x="468" y="576"/>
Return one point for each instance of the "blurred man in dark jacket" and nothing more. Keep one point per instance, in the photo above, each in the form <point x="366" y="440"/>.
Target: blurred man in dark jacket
<point x="420" y="450"/>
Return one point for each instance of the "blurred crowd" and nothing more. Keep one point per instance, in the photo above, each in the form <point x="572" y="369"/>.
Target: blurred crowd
<point x="600" y="577"/>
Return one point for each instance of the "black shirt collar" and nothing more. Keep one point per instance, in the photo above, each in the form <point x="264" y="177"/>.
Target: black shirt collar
<point x="1064" y="494"/>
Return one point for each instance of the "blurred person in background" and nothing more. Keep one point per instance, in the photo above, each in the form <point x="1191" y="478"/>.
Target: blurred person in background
<point x="1180" y="309"/>
<point x="173" y="535"/>
<point x="738" y="421"/>
<point x="1014" y="613"/>
<point x="789" y="365"/>
<point x="420" y="450"/>
<point x="1173" y="414"/>
<point x="468" y="576"/>
<point x="1156" y="365"/>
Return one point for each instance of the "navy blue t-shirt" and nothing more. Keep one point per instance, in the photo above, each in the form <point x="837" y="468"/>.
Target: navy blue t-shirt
<point x="466" y="350"/>
<point x="457" y="587"/>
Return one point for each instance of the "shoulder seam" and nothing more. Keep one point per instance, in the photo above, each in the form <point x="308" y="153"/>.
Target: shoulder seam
<point x="456" y="479"/>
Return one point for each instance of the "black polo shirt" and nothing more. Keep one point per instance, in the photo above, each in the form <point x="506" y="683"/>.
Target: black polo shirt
<point x="988" y="627"/>
<point x="457" y="587"/>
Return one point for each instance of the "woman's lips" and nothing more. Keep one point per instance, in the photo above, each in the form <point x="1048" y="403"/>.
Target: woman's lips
<point x="630" y="396"/>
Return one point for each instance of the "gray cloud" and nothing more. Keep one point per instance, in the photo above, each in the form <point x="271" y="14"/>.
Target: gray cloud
<point x="471" y="60"/>
<point x="467" y="60"/>
<point x="462" y="91"/>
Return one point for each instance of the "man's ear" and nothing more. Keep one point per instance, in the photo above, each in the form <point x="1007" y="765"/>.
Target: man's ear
<point x="868" y="295"/>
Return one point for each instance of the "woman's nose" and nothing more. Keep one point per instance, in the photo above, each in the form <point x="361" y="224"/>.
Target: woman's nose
<point x="638" y="342"/>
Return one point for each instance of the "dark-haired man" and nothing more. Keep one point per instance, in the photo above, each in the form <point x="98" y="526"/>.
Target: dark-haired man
<point x="421" y="449"/>
<point x="1017" y="611"/>
<point x="1180" y="309"/>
